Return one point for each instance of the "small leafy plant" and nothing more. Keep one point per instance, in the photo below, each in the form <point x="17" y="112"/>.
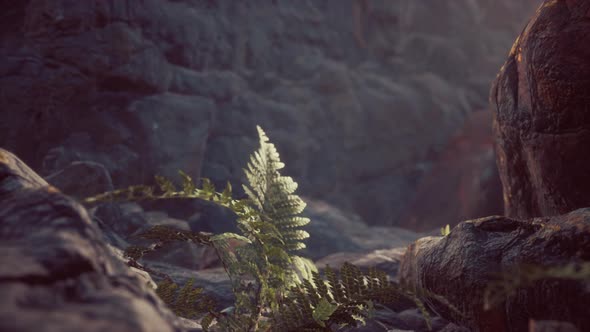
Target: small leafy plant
<point x="338" y="301"/>
<point x="275" y="289"/>
<point x="188" y="301"/>
<point x="265" y="265"/>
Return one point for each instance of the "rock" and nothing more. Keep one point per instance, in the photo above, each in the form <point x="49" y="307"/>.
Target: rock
<point x="460" y="266"/>
<point x="551" y="326"/>
<point x="123" y="219"/>
<point x="385" y="319"/>
<point x="57" y="272"/>
<point x="386" y="260"/>
<point x="151" y="87"/>
<point x="82" y="179"/>
<point x="127" y="221"/>
<point x="414" y="318"/>
<point x="541" y="121"/>
<point x="454" y="328"/>
<point x="334" y="231"/>
<point x="463" y="182"/>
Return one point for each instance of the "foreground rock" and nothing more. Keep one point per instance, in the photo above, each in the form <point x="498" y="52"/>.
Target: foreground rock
<point x="541" y="114"/>
<point x="461" y="265"/>
<point x="57" y="274"/>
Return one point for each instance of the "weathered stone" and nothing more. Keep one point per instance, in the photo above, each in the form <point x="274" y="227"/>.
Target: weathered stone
<point x="82" y="179"/>
<point x="454" y="328"/>
<point x="409" y="320"/>
<point x="333" y="231"/>
<point x="541" y="116"/>
<point x="58" y="275"/>
<point x="463" y="182"/>
<point x="461" y="265"/>
<point x="354" y="99"/>
<point x="551" y="326"/>
<point x="386" y="260"/>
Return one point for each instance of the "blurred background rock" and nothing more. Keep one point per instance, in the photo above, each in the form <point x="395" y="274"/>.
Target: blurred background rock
<point x="375" y="106"/>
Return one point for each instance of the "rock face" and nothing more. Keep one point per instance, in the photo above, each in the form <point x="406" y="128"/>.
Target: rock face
<point x="541" y="115"/>
<point x="461" y="265"/>
<point x="356" y="97"/>
<point x="57" y="273"/>
<point x="541" y="126"/>
<point x="463" y="183"/>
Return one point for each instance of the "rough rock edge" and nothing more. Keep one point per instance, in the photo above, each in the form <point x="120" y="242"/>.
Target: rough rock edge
<point x="57" y="271"/>
<point x="459" y="267"/>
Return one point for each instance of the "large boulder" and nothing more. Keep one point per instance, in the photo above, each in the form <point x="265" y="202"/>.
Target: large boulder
<point x="541" y="114"/>
<point x="460" y="267"/>
<point x="57" y="273"/>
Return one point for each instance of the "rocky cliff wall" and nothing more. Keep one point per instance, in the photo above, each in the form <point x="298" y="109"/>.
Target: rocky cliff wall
<point x="359" y="96"/>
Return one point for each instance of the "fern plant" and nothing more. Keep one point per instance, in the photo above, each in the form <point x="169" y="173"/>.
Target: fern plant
<point x="265" y="266"/>
<point x="188" y="301"/>
<point x="275" y="289"/>
<point x="343" y="300"/>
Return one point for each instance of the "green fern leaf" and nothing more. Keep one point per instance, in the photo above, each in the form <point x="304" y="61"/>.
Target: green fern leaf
<point x="323" y="311"/>
<point x="188" y="186"/>
<point x="226" y="197"/>
<point x="165" y="185"/>
<point x="207" y="321"/>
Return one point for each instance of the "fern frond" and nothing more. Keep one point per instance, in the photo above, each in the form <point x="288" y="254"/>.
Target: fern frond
<point x="207" y="321"/>
<point x="262" y="267"/>
<point x="188" y="301"/>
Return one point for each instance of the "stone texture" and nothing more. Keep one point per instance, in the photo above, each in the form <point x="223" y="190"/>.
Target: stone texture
<point x="551" y="326"/>
<point x="123" y="224"/>
<point x="57" y="273"/>
<point x="386" y="260"/>
<point x="541" y="117"/>
<point x="356" y="98"/>
<point x="82" y="179"/>
<point x="461" y="265"/>
<point x="463" y="182"/>
<point x="333" y="230"/>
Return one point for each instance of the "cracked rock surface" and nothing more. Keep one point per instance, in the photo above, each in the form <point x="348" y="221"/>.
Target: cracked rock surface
<point x="541" y="114"/>
<point x="57" y="273"/>
<point x="461" y="265"/>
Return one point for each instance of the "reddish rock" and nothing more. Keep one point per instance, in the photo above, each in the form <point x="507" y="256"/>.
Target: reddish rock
<point x="464" y="182"/>
<point x="541" y="115"/>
